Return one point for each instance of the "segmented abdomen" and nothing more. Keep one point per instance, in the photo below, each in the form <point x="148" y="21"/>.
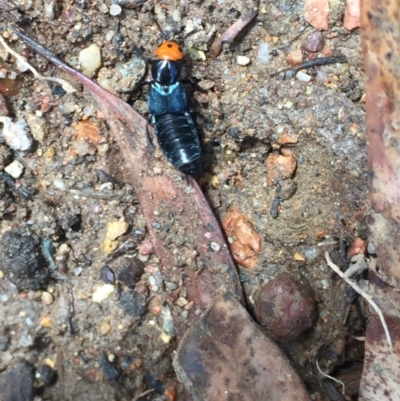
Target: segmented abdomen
<point x="179" y="140"/>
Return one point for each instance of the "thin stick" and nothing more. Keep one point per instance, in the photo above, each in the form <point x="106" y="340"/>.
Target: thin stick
<point x="331" y="377"/>
<point x="366" y="296"/>
<point x="143" y="394"/>
<point x="65" y="85"/>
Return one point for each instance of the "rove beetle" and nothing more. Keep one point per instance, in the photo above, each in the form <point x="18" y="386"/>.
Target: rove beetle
<point x="170" y="116"/>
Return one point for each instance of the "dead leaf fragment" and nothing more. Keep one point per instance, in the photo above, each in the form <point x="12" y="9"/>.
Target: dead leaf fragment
<point x="87" y="131"/>
<point x="225" y="356"/>
<point x="316" y="13"/>
<point x="352" y="15"/>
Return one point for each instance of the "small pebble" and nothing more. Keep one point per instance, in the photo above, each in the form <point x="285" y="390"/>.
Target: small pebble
<point x="293" y="303"/>
<point x="90" y="60"/>
<point x="215" y="247"/>
<point x="47" y="298"/>
<point x="311" y="253"/>
<point x="15" y="169"/>
<point x="107" y="275"/>
<point x="15" y="134"/>
<point x="60" y="185"/>
<point x="314" y="42"/>
<point x="303" y="77"/>
<point x="115" y="10"/>
<point x="242" y="60"/>
<point x="371" y="248"/>
<point x="263" y="52"/>
<point x="176" y="15"/>
<point x="78" y="271"/>
<point x="109" y="371"/>
<point x="295" y="57"/>
<point x="143" y="258"/>
<point x="182" y="302"/>
<point x="4" y="298"/>
<point x="115" y="229"/>
<point x="46" y="375"/>
<point x="102" y="293"/>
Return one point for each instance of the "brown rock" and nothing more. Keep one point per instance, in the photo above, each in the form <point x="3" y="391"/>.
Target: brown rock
<point x="247" y="242"/>
<point x="279" y="167"/>
<point x="316" y="13"/>
<point x="314" y="42"/>
<point x="87" y="131"/>
<point x="352" y="15"/>
<point x="286" y="307"/>
<point x="295" y="57"/>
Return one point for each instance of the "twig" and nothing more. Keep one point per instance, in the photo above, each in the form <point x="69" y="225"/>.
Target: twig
<point x="366" y="296"/>
<point x="65" y="85"/>
<point x="330" y="377"/>
<point x="312" y="63"/>
<point x="143" y="394"/>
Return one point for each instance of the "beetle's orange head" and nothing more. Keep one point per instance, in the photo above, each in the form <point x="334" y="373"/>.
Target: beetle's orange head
<point x="169" y="51"/>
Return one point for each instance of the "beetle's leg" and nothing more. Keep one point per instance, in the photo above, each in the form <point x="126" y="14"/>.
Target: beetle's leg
<point x="135" y="88"/>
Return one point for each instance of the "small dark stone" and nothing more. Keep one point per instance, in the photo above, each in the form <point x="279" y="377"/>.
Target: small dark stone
<point x="133" y="304"/>
<point x="22" y="261"/>
<point x="17" y="383"/>
<point x="286" y="306"/>
<point x="46" y="374"/>
<point x="130" y="271"/>
<point x="5" y="156"/>
<point x="107" y="275"/>
<point x="286" y="189"/>
<point x="314" y="42"/>
<point x="70" y="221"/>
<point x="110" y="372"/>
<point x="58" y="90"/>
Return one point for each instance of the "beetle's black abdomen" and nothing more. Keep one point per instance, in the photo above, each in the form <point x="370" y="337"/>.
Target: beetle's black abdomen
<point x="179" y="140"/>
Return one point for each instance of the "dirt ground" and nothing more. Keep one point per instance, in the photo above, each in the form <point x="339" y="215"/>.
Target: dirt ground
<point x="119" y="348"/>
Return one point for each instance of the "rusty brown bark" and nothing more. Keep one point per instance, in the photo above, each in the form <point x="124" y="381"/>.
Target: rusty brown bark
<point x="381" y="50"/>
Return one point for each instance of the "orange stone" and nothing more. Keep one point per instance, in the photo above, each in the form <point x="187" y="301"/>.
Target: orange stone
<point x="279" y="167"/>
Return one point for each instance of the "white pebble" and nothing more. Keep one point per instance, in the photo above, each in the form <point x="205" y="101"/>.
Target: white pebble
<point x="102" y="293"/>
<point x="152" y="280"/>
<point x="182" y="302"/>
<point x="15" y="169"/>
<point x="28" y="321"/>
<point x="325" y="284"/>
<point x="90" y="60"/>
<point x="60" y="185"/>
<point x="176" y="15"/>
<point x="16" y="135"/>
<point x="242" y="60"/>
<point x="115" y="10"/>
<point x="12" y="75"/>
<point x="4" y="298"/>
<point x="22" y="65"/>
<point x="263" y="53"/>
<point x="215" y="247"/>
<point x="49" y="10"/>
<point x="78" y="271"/>
<point x="154" y="288"/>
<point x="143" y="258"/>
<point x="302" y="76"/>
